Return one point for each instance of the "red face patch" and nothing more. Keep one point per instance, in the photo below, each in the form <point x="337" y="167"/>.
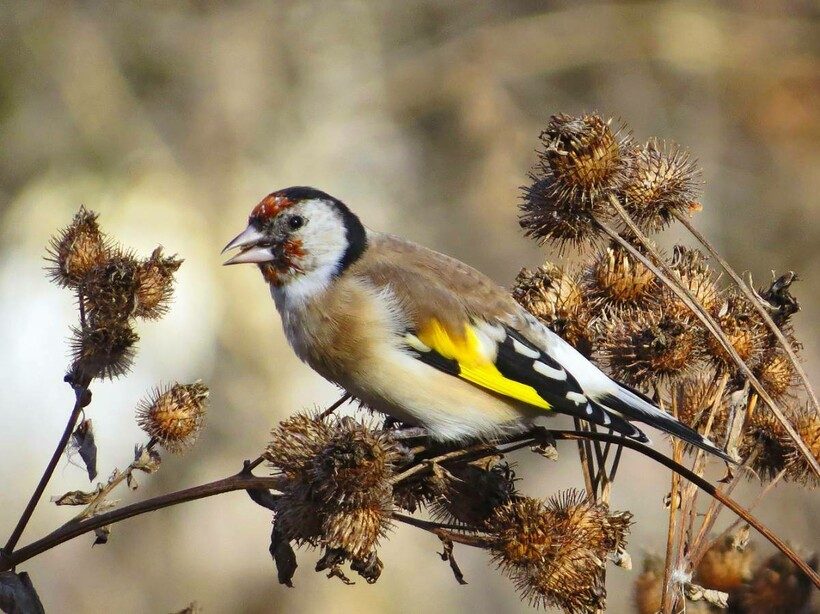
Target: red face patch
<point x="271" y="206"/>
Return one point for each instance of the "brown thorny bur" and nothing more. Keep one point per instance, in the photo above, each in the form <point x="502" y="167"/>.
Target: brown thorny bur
<point x="113" y="288"/>
<point x="614" y="310"/>
<point x="340" y="495"/>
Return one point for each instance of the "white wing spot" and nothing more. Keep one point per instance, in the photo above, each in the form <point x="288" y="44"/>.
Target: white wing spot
<point x="524" y="350"/>
<point x="544" y="369"/>
<point x="606" y="419"/>
<point x="495" y="332"/>
<point x="576" y="397"/>
<point x="415" y="343"/>
<point x="589" y="409"/>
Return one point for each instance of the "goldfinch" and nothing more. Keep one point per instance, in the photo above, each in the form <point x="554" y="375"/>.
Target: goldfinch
<point x="423" y="337"/>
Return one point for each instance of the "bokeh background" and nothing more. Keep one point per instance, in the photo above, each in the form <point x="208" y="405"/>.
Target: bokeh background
<point x="173" y="119"/>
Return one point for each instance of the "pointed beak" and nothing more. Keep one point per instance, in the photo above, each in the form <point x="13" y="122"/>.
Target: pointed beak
<point x="249" y="242"/>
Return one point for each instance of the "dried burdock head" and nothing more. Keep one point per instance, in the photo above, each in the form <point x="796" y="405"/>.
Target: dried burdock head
<point x="648" y="590"/>
<point x="743" y="327"/>
<point x="412" y="495"/>
<point x="776" y="372"/>
<point x="696" y="276"/>
<point x="807" y="425"/>
<point x="295" y="442"/>
<point x="663" y="181"/>
<point x="174" y="416"/>
<point x="726" y="566"/>
<point x="339" y="494"/>
<point x="110" y="290"/>
<point x="584" y="154"/>
<point x="615" y="278"/>
<point x="555" y="552"/>
<point x="695" y="398"/>
<point x="354" y="462"/>
<point x="645" y="346"/>
<point x="778" y="299"/>
<point x="581" y="164"/>
<point x="77" y="250"/>
<point x="765" y="444"/>
<point x="155" y="284"/>
<point x="555" y="296"/>
<point x="298" y="516"/>
<point x="472" y="492"/>
<point x="105" y="350"/>
<point x="777" y="586"/>
<point x="357" y="531"/>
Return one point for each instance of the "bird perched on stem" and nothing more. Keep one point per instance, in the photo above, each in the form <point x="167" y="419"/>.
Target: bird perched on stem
<point x="421" y="336"/>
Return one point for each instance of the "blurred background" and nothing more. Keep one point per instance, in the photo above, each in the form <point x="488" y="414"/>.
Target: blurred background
<point x="173" y="119"/>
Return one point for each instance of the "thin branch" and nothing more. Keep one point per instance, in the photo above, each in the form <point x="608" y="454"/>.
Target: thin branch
<point x="686" y="296"/>
<point x="245" y="481"/>
<point x="345" y="397"/>
<point x="668" y="597"/>
<point x="72" y="529"/>
<point x="774" y="328"/>
<point x="82" y="397"/>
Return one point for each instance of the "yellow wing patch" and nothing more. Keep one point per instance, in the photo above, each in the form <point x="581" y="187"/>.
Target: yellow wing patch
<point x="474" y="366"/>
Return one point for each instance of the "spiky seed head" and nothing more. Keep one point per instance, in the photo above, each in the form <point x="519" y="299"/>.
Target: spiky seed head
<point x="174" y="415"/>
<point x="357" y="531"/>
<point x="298" y="516"/>
<point x="77" y="250"/>
<point x="695" y="399"/>
<point x="662" y="181"/>
<point x="777" y="586"/>
<point x="695" y="275"/>
<point x="296" y="441"/>
<point x="725" y="566"/>
<point x="581" y="163"/>
<point x="776" y="372"/>
<point x="648" y="590"/>
<point x="585" y="155"/>
<point x="103" y="350"/>
<point x="554" y="296"/>
<point x="155" y="284"/>
<point x="645" y="345"/>
<point x="743" y="327"/>
<point x="807" y="425"/>
<point x="110" y="291"/>
<point x="765" y="444"/>
<point x="353" y="463"/>
<point x="473" y="491"/>
<point x="615" y="278"/>
<point x="555" y="552"/>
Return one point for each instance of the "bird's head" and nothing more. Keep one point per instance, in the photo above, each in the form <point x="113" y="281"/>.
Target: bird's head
<point x="299" y="234"/>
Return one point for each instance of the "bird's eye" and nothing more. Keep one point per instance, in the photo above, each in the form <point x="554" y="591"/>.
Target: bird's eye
<point x="295" y="222"/>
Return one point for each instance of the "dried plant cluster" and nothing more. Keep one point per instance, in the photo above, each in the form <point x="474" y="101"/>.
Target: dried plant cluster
<point x="346" y="484"/>
<point x="113" y="287"/>
<point x="595" y="189"/>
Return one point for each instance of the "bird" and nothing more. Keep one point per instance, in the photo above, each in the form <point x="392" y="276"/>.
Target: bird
<point x="422" y="337"/>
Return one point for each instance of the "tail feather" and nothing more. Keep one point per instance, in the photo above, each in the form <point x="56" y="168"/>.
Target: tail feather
<point x="634" y="406"/>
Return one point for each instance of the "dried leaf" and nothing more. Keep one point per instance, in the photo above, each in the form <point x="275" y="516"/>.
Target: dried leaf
<point x="447" y="555"/>
<point x="17" y="594"/>
<point x="191" y="608"/>
<point x="75" y="497"/>
<point x="716" y="598"/>
<point x="131" y="481"/>
<point x="370" y="568"/>
<point x="283" y="557"/>
<point x="146" y="460"/>
<point x="622" y="559"/>
<point x="83" y="442"/>
<point x="102" y="534"/>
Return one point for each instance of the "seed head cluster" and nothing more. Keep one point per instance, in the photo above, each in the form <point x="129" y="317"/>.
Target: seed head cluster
<point x="338" y="494"/>
<point x="113" y="287"/>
